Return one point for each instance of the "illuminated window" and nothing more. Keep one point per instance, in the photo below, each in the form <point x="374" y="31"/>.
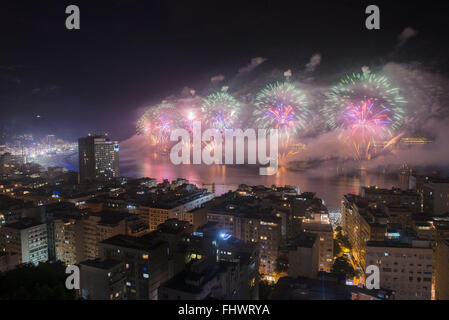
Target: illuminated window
<point x="145" y="256"/>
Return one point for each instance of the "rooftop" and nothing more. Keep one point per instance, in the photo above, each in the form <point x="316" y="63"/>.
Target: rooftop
<point x="304" y="240"/>
<point x="146" y="242"/>
<point x="392" y="191"/>
<point x="422" y="244"/>
<point x="23" y="224"/>
<point x="101" y="264"/>
<point x="316" y="226"/>
<point x="193" y="281"/>
<point x="301" y="288"/>
<point x="111" y="217"/>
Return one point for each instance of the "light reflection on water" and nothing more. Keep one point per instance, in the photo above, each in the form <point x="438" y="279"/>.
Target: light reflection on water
<point x="328" y="186"/>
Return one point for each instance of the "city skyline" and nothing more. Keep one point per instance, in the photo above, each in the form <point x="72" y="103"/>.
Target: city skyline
<point x="224" y="151"/>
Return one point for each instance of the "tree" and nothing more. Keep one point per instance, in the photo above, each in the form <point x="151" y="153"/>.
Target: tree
<point x="265" y="289"/>
<point x="343" y="267"/>
<point x="29" y="282"/>
<point x="337" y="248"/>
<point x="343" y="240"/>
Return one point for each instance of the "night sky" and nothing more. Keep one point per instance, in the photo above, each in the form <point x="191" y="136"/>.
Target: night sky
<point x="129" y="54"/>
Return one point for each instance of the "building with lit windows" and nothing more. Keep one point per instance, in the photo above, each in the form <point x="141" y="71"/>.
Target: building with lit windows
<point x="211" y="241"/>
<point x="69" y="239"/>
<point x="247" y="220"/>
<point x="150" y="260"/>
<point x="99" y="226"/>
<point x="405" y="267"/>
<point x="393" y="196"/>
<point x="361" y="222"/>
<point x="27" y="238"/>
<point x="98" y="158"/>
<point x="178" y="206"/>
<point x="204" y="279"/>
<point x="320" y="225"/>
<point x="102" y="280"/>
<point x="436" y="197"/>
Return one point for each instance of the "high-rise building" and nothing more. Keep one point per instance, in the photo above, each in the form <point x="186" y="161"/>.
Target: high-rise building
<point x="248" y="221"/>
<point x="69" y="239"/>
<point x="436" y="197"/>
<point x="147" y="263"/>
<point x="103" y="279"/>
<point x="399" y="214"/>
<point x="320" y="225"/>
<point x="405" y="268"/>
<point x="303" y="256"/>
<point x="211" y="241"/>
<point x="177" y="207"/>
<point x="204" y="279"/>
<point x="27" y="238"/>
<point x="393" y="196"/>
<point x="98" y="158"/>
<point x="361" y="222"/>
<point x="102" y="225"/>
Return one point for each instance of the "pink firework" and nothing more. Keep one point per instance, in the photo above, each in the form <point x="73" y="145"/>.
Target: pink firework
<point x="283" y="116"/>
<point x="365" y="124"/>
<point x="365" y="121"/>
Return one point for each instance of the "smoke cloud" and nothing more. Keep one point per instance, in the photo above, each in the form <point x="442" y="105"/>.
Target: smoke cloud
<point x="255" y="62"/>
<point x="217" y="78"/>
<point x="405" y="35"/>
<point x="314" y="62"/>
<point x="426" y="113"/>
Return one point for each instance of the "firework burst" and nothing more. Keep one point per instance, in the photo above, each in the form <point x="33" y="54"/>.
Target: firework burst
<point x="281" y="106"/>
<point x="366" y="120"/>
<point x="284" y="107"/>
<point x="220" y="111"/>
<point x="355" y="89"/>
<point x="189" y="110"/>
<point x="364" y="124"/>
<point x="157" y="122"/>
<point x="368" y="109"/>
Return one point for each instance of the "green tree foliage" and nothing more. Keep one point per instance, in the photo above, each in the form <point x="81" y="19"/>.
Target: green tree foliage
<point x="28" y="282"/>
<point x="343" y="240"/>
<point x="265" y="290"/>
<point x="343" y="267"/>
<point x="337" y="248"/>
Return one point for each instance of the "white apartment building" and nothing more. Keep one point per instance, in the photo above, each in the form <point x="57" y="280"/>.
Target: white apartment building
<point x="27" y="238"/>
<point x="405" y="268"/>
